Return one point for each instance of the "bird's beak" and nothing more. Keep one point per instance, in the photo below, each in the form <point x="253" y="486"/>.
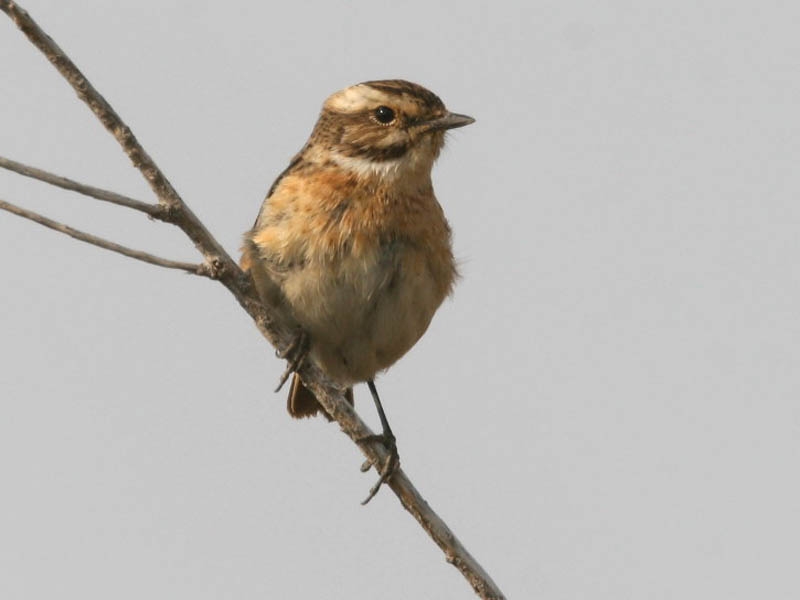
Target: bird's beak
<point x="449" y="121"/>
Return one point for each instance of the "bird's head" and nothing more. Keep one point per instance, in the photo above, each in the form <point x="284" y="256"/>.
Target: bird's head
<point x="383" y="128"/>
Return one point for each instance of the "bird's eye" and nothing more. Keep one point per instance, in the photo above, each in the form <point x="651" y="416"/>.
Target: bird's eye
<point x="384" y="114"/>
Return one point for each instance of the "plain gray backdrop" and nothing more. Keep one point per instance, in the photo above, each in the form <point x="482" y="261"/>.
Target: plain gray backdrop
<point x="608" y="406"/>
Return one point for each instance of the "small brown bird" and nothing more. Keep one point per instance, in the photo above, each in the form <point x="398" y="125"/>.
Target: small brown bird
<point x="351" y="246"/>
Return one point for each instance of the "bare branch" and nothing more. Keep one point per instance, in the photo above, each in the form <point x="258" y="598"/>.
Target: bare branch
<point x="102" y="243"/>
<point x="222" y="267"/>
<point x="410" y="498"/>
<point x="154" y="210"/>
<point x="177" y="211"/>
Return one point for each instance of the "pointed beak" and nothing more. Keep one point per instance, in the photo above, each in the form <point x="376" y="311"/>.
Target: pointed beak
<point x="449" y="121"/>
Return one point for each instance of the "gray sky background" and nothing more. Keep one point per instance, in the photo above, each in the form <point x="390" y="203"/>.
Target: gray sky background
<point x="607" y="408"/>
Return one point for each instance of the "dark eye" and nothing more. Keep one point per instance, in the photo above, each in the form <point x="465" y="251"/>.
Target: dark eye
<point x="384" y="114"/>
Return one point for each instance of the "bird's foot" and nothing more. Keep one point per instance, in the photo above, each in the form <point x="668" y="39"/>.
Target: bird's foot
<point x="389" y="466"/>
<point x="294" y="354"/>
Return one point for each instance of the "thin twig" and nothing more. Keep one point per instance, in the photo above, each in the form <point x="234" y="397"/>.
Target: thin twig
<point x="202" y="270"/>
<point x="410" y="498"/>
<point x="239" y="284"/>
<point x="154" y="210"/>
<point x="176" y="210"/>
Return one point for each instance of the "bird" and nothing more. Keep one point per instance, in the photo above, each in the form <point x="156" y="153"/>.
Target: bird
<point x="351" y="249"/>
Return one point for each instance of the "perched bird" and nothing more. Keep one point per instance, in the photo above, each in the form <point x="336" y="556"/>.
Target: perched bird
<point x="351" y="247"/>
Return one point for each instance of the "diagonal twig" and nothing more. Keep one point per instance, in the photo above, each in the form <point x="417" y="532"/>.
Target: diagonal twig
<point x="176" y="211"/>
<point x="223" y="267"/>
<point x="154" y="210"/>
<point x="196" y="269"/>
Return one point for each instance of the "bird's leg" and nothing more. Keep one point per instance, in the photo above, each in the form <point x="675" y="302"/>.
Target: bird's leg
<point x="388" y="440"/>
<point x="294" y="354"/>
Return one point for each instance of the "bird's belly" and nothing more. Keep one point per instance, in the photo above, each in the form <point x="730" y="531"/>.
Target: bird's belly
<point x="363" y="314"/>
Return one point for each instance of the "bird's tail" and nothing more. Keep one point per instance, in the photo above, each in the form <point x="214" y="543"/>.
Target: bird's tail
<point x="303" y="403"/>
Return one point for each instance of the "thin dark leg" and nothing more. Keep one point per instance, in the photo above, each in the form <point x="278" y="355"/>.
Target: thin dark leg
<point x="388" y="440"/>
<point x="387" y="431"/>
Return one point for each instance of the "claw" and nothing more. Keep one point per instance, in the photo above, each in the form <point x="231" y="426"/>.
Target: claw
<point x="389" y="466"/>
<point x="295" y="353"/>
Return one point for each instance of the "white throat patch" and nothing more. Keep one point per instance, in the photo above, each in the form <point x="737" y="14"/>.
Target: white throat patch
<point x="365" y="167"/>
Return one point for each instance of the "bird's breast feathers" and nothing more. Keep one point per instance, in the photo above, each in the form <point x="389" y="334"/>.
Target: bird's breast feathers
<point x="333" y="220"/>
<point x="349" y="258"/>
